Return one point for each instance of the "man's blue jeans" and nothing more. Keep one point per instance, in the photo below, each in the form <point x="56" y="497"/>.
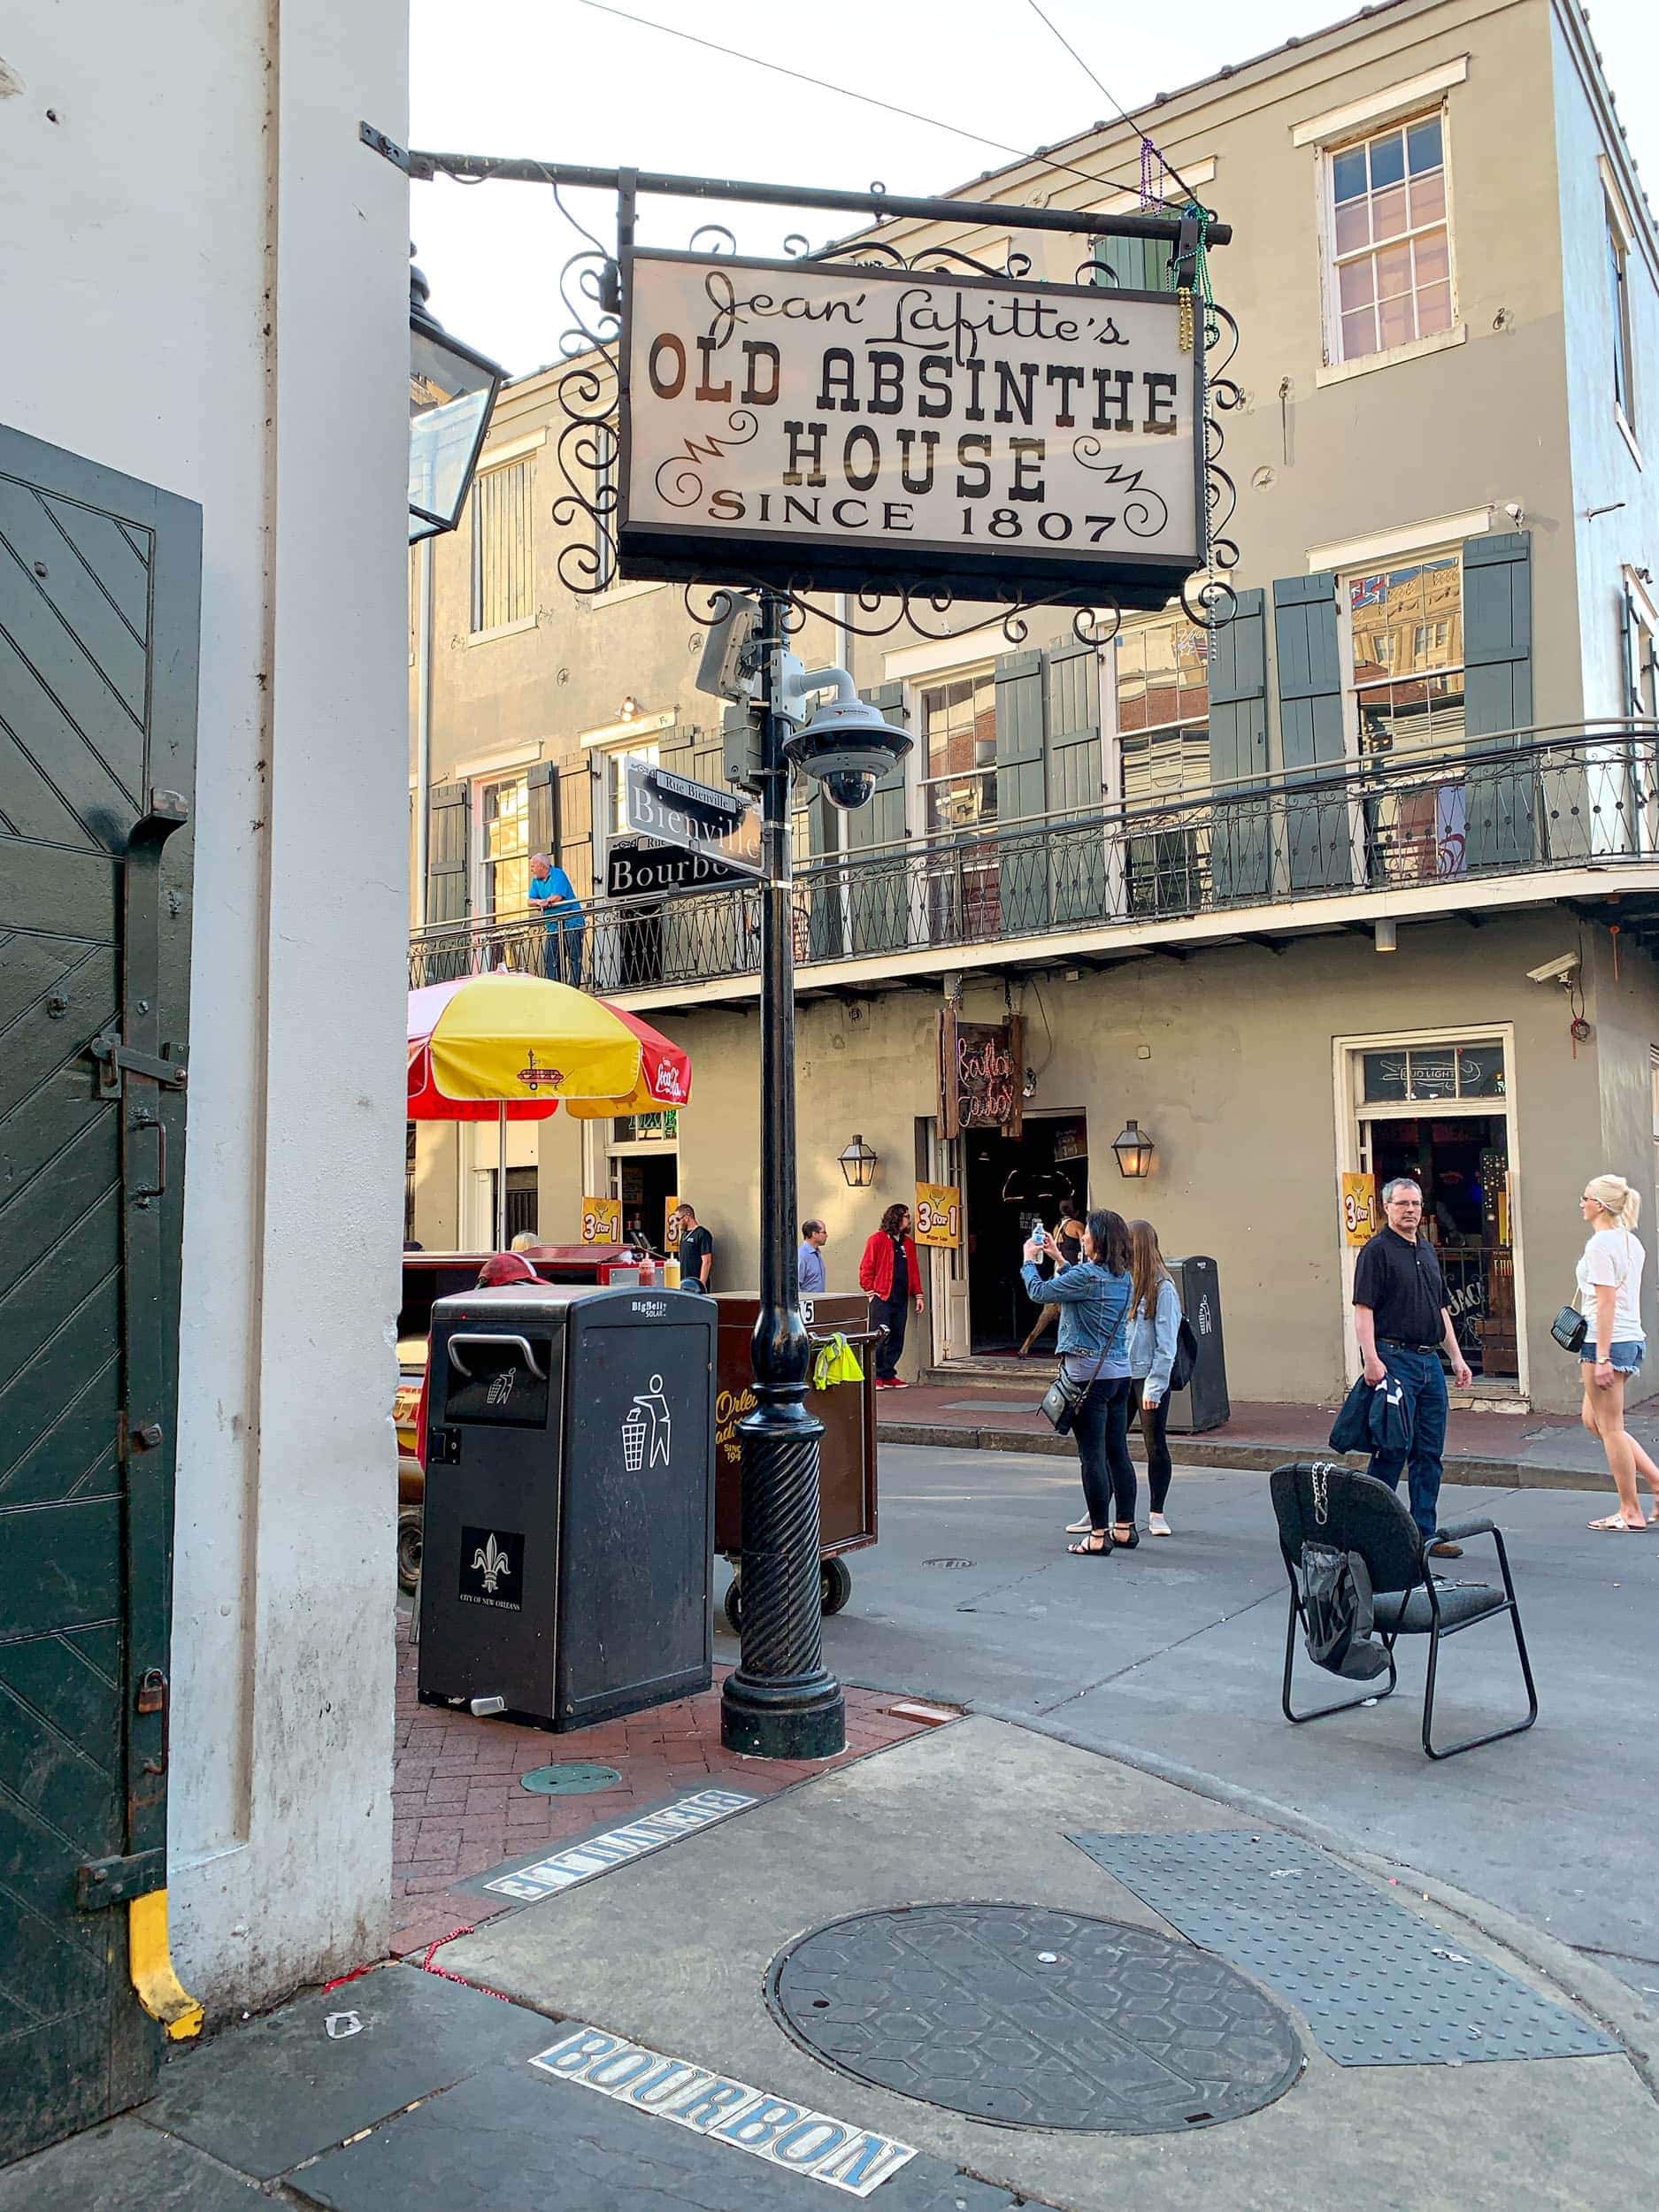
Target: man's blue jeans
<point x="1424" y="1380"/>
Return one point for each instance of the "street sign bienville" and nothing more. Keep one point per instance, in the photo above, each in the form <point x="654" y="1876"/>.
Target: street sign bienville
<point x="697" y="817"/>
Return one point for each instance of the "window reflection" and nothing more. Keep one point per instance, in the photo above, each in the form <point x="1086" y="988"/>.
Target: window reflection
<point x="506" y="829"/>
<point x="1407" y="625"/>
<point x="1163" y="738"/>
<point x="959" y="734"/>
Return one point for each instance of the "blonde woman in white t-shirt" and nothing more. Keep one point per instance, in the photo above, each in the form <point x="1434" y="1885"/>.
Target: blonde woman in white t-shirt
<point x="1610" y="1294"/>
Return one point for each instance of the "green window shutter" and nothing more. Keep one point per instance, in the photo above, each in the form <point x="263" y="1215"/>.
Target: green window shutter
<point x="1022" y="866"/>
<point x="542" y="790"/>
<point x="449" y="821"/>
<point x="1076" y="857"/>
<point x="1311" y="729"/>
<point x="1239" y="839"/>
<point x="1500" y="820"/>
<point x="1133" y="265"/>
<point x="818" y="892"/>
<point x="674" y="750"/>
<point x="573" y="815"/>
<point x="875" y="834"/>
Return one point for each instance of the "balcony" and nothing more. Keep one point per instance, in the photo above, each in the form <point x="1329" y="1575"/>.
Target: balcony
<point x="1561" y="815"/>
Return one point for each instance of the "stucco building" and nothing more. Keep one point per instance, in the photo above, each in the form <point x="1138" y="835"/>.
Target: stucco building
<point x="1279" y="892"/>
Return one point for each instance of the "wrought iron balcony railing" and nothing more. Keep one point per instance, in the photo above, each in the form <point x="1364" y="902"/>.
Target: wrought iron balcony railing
<point x="1490" y="808"/>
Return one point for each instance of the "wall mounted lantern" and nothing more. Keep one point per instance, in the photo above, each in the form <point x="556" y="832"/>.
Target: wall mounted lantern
<point x="451" y="398"/>
<point x="1134" y="1152"/>
<point x="858" y="1164"/>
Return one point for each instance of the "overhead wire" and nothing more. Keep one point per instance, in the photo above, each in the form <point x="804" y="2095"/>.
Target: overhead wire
<point x="867" y="99"/>
<point x="1106" y="93"/>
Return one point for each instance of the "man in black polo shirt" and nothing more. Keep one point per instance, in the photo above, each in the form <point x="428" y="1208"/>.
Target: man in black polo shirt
<point x="1401" y="1320"/>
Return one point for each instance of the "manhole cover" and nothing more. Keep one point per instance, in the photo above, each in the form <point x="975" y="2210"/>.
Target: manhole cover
<point x="1030" y="2017"/>
<point x="947" y="1563"/>
<point x="572" y="1777"/>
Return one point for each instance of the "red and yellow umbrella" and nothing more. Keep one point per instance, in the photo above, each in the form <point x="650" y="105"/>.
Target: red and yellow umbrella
<point x="506" y="1047"/>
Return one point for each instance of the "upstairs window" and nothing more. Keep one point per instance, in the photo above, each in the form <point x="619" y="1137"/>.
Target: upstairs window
<point x="1618" y="296"/>
<point x="959" y="741"/>
<point x="1391" y="268"/>
<point x="1163" y="711"/>
<point x="504" y="837"/>
<point x="504" y="547"/>
<point x="1407" y="625"/>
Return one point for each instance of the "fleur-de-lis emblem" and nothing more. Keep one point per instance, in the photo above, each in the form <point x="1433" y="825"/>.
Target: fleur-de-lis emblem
<point x="492" y="1560"/>
<point x="533" y="1076"/>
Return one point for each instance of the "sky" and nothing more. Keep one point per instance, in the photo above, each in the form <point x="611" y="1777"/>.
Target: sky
<point x="559" y="80"/>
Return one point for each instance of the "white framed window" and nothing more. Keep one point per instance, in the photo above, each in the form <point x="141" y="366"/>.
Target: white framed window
<point x="504" y="547"/>
<point x="504" y="848"/>
<point x="1163" y="752"/>
<point x="957" y="761"/>
<point x="1405" y="628"/>
<point x="1389" y="281"/>
<point x="1618" y="302"/>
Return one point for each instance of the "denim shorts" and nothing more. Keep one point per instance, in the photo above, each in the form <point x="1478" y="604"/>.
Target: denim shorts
<point x="1626" y="1358"/>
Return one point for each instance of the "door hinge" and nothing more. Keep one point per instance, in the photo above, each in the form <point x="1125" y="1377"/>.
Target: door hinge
<point x="102" y="1882"/>
<point x="113" y="1057"/>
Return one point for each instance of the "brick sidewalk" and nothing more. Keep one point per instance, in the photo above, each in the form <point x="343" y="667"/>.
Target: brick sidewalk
<point x="458" y="1807"/>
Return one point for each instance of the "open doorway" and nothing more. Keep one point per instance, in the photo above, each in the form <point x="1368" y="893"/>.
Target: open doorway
<point x="643" y="1167"/>
<point x="1463" y="1164"/>
<point x="1042" y="1174"/>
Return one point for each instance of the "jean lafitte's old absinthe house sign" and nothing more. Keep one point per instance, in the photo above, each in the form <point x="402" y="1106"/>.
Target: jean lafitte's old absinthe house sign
<point x="800" y="424"/>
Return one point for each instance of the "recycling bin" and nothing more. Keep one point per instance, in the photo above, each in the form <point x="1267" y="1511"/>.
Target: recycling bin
<point x="570" y="1502"/>
<point x="1203" y="1403"/>
<point x="847" y="1457"/>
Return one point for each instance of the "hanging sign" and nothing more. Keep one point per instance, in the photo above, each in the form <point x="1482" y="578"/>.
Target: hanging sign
<point x="670" y="1223"/>
<point x="1360" y="1216"/>
<point x="981" y="1074"/>
<point x="797" y="424"/>
<point x="602" y="1221"/>
<point x="938" y="1214"/>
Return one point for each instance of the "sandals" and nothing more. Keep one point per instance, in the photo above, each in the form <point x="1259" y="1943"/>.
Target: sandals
<point x="1125" y="1543"/>
<point x="1089" y="1549"/>
<point x="1617" y="1521"/>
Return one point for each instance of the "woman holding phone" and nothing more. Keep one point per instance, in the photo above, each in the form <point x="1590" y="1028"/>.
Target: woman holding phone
<point x="1092" y="1297"/>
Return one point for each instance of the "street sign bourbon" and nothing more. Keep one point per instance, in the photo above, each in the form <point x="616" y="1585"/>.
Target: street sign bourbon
<point x="809" y="426"/>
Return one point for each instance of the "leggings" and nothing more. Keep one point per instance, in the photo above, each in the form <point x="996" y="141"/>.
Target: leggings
<point x="1101" y="1429"/>
<point x="1154" y="1422"/>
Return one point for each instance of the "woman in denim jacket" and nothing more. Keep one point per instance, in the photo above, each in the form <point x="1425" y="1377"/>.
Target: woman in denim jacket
<point x="1155" y="1317"/>
<point x="1094" y="1301"/>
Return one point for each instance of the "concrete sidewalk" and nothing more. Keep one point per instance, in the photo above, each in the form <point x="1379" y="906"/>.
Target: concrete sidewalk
<point x="1516" y="1451"/>
<point x="649" y="1983"/>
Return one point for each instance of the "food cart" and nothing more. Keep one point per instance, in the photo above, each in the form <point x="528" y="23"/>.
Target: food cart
<point x="846" y="1457"/>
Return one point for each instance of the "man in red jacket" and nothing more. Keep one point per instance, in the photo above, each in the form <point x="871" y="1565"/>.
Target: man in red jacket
<point x="890" y="1271"/>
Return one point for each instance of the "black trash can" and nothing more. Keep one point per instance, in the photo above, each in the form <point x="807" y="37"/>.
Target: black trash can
<point x="1203" y="1403"/>
<point x="570" y="1502"/>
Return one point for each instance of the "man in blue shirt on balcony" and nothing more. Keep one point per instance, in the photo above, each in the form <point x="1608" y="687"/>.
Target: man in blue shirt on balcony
<point x="552" y="891"/>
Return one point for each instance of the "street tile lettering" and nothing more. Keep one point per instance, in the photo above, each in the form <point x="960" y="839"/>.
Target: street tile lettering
<point x="786" y="2135"/>
<point x="617" y="1846"/>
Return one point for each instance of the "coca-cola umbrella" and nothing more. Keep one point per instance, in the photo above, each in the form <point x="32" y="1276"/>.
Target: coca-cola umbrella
<point x="506" y="1047"/>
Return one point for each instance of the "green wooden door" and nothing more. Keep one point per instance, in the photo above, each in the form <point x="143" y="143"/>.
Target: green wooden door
<point x="99" y="598"/>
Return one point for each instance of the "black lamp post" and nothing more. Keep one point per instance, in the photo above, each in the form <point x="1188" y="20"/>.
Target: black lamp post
<point x="781" y="1702"/>
<point x="452" y="391"/>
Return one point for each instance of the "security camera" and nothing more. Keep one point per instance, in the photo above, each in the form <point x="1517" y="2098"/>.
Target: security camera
<point x="1515" y="512"/>
<point x="1555" y="970"/>
<point x="848" y="745"/>
<point x="724" y="672"/>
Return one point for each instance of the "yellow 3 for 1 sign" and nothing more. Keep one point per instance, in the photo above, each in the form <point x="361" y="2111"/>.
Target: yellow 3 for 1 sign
<point x="938" y="1214"/>
<point x="602" y="1221"/>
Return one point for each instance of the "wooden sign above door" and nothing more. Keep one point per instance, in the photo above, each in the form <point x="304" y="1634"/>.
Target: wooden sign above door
<point x="981" y="1074"/>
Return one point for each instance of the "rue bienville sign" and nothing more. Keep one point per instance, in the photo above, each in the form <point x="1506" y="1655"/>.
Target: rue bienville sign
<point x="808" y="427"/>
<point x="699" y="819"/>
